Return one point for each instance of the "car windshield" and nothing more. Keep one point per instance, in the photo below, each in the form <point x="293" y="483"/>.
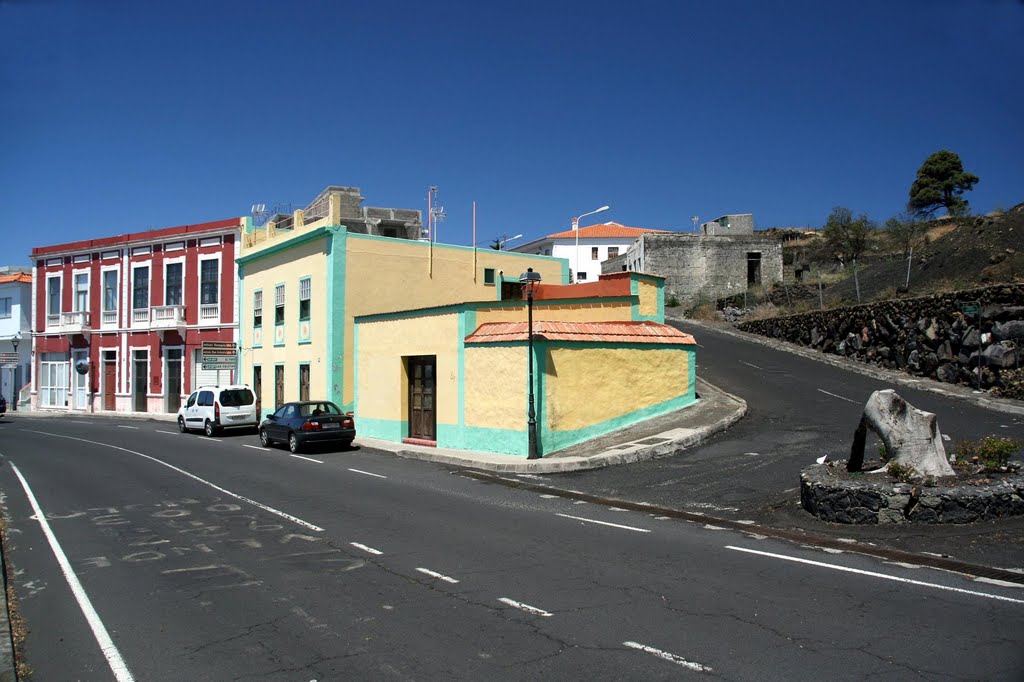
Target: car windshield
<point x="236" y="397"/>
<point x="318" y="409"/>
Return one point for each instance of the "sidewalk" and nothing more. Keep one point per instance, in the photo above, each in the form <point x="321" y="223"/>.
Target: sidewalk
<point x="714" y="411"/>
<point x="80" y="414"/>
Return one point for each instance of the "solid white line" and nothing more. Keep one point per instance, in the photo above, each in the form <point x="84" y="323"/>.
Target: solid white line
<point x="122" y="426"/>
<point x="883" y="576"/>
<point x="169" y="433"/>
<point x="750" y="365"/>
<point x="78" y="422"/>
<point x="525" y="607"/>
<point x="437" y="575"/>
<point x="604" y="523"/>
<point x="308" y="459"/>
<point x="371" y="550"/>
<point x="215" y="440"/>
<point x="254" y="447"/>
<point x="293" y="519"/>
<point x="838" y="396"/>
<point x="367" y="473"/>
<point x="99" y="631"/>
<point x="678" y="660"/>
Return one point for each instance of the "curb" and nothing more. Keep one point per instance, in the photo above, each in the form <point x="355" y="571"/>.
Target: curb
<point x="8" y="667"/>
<point x="608" y="457"/>
<point x="901" y="378"/>
<point x="64" y="414"/>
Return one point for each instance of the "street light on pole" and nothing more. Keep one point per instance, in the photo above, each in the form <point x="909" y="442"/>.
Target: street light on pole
<point x="530" y="280"/>
<point x="15" y="340"/>
<point x="576" y="229"/>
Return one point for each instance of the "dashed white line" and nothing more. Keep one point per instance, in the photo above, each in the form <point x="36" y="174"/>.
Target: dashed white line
<point x="872" y="574"/>
<point x="604" y="523"/>
<point x="664" y="655"/>
<point x="215" y="440"/>
<point x="367" y="473"/>
<point x="78" y="422"/>
<point x="371" y="550"/>
<point x="750" y="365"/>
<point x="169" y="433"/>
<point x="99" y="631"/>
<point x="124" y="426"/>
<point x="308" y="459"/>
<point x="439" y="576"/>
<point x="283" y="515"/>
<point x="548" y="496"/>
<point x="254" y="447"/>
<point x="838" y="396"/>
<point x="525" y="607"/>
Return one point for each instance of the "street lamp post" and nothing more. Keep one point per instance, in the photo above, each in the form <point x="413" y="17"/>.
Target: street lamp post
<point x="576" y="229"/>
<point x="15" y="340"/>
<point x="530" y="280"/>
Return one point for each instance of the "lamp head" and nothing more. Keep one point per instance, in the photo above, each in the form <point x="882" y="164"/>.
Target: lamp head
<point x="529" y="280"/>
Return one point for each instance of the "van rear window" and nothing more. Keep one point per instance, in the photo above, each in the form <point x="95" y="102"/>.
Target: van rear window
<point x="236" y="397"/>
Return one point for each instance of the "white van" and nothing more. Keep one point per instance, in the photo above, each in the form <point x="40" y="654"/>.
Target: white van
<point x="212" y="408"/>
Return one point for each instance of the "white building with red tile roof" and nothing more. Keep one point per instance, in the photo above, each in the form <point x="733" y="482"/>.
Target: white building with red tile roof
<point x="588" y="248"/>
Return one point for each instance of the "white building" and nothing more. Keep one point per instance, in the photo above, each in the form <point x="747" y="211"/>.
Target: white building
<point x="595" y="243"/>
<point x="15" y="331"/>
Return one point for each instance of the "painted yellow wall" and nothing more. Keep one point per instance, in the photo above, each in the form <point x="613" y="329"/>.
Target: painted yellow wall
<point x="287" y="267"/>
<point x="386" y="275"/>
<point x="587" y="385"/>
<point x="382" y="344"/>
<point x="575" y="312"/>
<point x="495" y="387"/>
<point x="648" y="293"/>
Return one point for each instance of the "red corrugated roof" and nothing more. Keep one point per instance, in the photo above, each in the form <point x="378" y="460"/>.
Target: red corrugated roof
<point x="21" y="277"/>
<point x="603" y="230"/>
<point x="617" y="332"/>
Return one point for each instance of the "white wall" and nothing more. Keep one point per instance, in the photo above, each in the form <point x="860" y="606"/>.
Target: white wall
<point x="19" y="321"/>
<point x="566" y="248"/>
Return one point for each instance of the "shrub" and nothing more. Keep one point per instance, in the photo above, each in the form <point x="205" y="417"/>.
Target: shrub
<point x="902" y="472"/>
<point x="672" y="302"/>
<point x="704" y="311"/>
<point x="992" y="452"/>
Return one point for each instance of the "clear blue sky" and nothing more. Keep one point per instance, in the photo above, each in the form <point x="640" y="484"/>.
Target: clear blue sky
<point x="120" y="116"/>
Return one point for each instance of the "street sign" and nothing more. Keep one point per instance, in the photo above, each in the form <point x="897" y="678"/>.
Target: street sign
<point x="970" y="309"/>
<point x="223" y="352"/>
<point x="219" y="353"/>
<point x="8" y="357"/>
<point x="219" y="363"/>
<point x="230" y="345"/>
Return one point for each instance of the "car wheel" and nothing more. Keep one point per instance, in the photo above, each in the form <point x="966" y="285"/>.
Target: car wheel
<point x="181" y="425"/>
<point x="209" y="429"/>
<point x="293" y="443"/>
<point x="265" y="439"/>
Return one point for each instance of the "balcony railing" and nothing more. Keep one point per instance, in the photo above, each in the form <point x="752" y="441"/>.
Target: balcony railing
<point x="76" y="322"/>
<point x="109" y="318"/>
<point x="167" y="317"/>
<point x="140" y="317"/>
<point x="53" y="321"/>
<point x="209" y="312"/>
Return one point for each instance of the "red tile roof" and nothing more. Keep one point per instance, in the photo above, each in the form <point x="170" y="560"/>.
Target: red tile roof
<point x="603" y="230"/>
<point x="617" y="332"/>
<point x="21" y="278"/>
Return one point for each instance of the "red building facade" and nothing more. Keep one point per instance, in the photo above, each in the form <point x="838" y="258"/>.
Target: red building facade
<point x="118" y="322"/>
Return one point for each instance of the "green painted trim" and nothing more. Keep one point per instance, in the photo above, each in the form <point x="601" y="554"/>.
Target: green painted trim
<point x="565" y="270"/>
<point x="558" y="440"/>
<point x="285" y="244"/>
<point x="242" y="317"/>
<point x="337" y="284"/>
<point x="474" y="305"/>
<point x="541" y="349"/>
<point x="494" y="279"/>
<point x="461" y="370"/>
<point x="634" y="289"/>
<point x="247" y="225"/>
<point x="393" y="430"/>
<point x="439" y="245"/>
<point x="355" y="369"/>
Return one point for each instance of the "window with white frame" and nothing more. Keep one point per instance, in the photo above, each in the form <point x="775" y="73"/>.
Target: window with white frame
<point x="279" y="304"/>
<point x="209" y="281"/>
<point x="53" y="297"/>
<point x="140" y="287"/>
<point x="304" y="287"/>
<point x="172" y="283"/>
<point x="81" y="292"/>
<point x="257" y="309"/>
<point x="5" y="307"/>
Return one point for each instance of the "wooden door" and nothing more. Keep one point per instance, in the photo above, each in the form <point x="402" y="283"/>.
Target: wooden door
<point x="278" y="386"/>
<point x="422" y="420"/>
<point x="140" y="383"/>
<point x="172" y="379"/>
<point x="109" y="384"/>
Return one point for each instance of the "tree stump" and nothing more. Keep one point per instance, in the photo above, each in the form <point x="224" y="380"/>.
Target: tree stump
<point x="911" y="436"/>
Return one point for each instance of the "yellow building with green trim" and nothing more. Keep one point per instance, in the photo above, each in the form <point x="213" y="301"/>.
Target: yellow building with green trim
<point x="301" y="289"/>
<point x="457" y="375"/>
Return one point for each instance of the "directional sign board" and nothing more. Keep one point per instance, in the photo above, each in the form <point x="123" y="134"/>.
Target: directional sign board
<point x="222" y="354"/>
<point x="970" y="309"/>
<point x="8" y="357"/>
<point x="218" y="363"/>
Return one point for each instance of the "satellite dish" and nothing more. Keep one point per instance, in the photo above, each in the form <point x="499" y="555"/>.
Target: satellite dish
<point x="82" y="366"/>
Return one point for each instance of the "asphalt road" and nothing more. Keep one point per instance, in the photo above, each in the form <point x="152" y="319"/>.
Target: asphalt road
<point x="213" y="559"/>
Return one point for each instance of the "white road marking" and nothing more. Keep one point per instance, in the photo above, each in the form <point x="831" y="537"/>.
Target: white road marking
<point x="122" y="426"/>
<point x="872" y="574"/>
<point x="525" y="607"/>
<point x="548" y="496"/>
<point x="215" y="440"/>
<point x="437" y="575"/>
<point x="99" y="631"/>
<point x="672" y="658"/>
<point x="254" y="447"/>
<point x="604" y="523"/>
<point x="367" y="473"/>
<point x="838" y="396"/>
<point x="78" y="422"/>
<point x="371" y="550"/>
<point x="750" y="365"/>
<point x="308" y="459"/>
<point x="170" y="433"/>
<point x="293" y="519"/>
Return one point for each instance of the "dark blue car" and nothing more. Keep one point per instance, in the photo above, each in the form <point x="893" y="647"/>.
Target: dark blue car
<point x="310" y="421"/>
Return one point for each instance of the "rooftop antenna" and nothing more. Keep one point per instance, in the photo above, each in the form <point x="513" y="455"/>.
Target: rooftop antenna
<point x="259" y="215"/>
<point x="695" y="219"/>
<point x="435" y="213"/>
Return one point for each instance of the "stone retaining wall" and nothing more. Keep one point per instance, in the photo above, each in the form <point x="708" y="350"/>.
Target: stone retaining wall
<point x="828" y="492"/>
<point x="929" y="336"/>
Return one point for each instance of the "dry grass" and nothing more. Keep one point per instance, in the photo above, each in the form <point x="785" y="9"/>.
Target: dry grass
<point x="763" y="311"/>
<point x="18" y="629"/>
<point x="704" y="311"/>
